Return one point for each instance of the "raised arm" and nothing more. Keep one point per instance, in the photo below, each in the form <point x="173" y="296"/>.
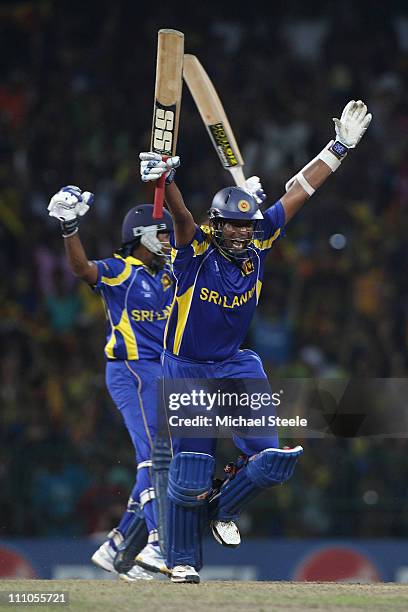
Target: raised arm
<point x="151" y="168"/>
<point x="350" y="128"/>
<point x="68" y="205"/>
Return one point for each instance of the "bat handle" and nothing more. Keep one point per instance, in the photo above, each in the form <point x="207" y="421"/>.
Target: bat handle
<point x="159" y="194"/>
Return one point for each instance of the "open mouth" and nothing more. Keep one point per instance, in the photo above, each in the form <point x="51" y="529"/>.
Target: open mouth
<point x="238" y="244"/>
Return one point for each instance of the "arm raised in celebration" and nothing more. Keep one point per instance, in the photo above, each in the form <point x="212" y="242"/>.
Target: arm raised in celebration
<point x="350" y="128"/>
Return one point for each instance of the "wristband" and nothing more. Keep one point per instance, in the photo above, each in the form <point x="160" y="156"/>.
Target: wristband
<point x="69" y="228"/>
<point x="333" y="154"/>
<point x="339" y="149"/>
<point x="170" y="177"/>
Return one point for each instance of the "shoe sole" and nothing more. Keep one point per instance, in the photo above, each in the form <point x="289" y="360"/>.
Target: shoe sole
<point x="153" y="568"/>
<point x="186" y="580"/>
<point x="218" y="538"/>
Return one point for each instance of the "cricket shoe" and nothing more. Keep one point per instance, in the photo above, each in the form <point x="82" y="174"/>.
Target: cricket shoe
<point x="104" y="557"/>
<point x="226" y="533"/>
<point x="135" y="574"/>
<point x="151" y="559"/>
<point x="184" y="574"/>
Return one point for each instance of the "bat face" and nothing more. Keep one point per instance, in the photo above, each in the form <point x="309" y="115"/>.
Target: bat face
<point x="167" y="102"/>
<point x="167" y="98"/>
<point x="214" y="118"/>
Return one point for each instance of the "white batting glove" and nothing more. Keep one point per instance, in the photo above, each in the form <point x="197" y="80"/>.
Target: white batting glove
<point x="69" y="203"/>
<point x="353" y="123"/>
<point x="152" y="167"/>
<point x="254" y="187"/>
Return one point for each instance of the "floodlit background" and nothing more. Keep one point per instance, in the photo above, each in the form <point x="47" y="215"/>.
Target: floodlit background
<point x="76" y="95"/>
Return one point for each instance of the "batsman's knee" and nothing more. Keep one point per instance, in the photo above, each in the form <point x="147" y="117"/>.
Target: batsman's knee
<point x="273" y="466"/>
<point x="190" y="479"/>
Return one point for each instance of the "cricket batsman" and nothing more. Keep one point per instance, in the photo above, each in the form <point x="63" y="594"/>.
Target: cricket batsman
<point x="219" y="274"/>
<point x="136" y="288"/>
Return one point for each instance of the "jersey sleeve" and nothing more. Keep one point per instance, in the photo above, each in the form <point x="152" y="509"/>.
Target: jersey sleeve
<point x="111" y="272"/>
<point x="272" y="225"/>
<point x="190" y="254"/>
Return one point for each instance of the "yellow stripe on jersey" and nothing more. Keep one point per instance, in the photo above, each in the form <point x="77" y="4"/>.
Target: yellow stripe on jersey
<point x="266" y="244"/>
<point x="129" y="338"/>
<point x="183" y="309"/>
<point x="168" y="319"/>
<point x="132" y="260"/>
<point x="120" y="278"/>
<point x="110" y="345"/>
<point x="258" y="289"/>
<point x="200" y="247"/>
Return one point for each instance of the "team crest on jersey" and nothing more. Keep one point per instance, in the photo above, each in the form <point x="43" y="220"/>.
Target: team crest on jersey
<point x="247" y="267"/>
<point x="166" y="281"/>
<point x="243" y="205"/>
<point x="145" y="285"/>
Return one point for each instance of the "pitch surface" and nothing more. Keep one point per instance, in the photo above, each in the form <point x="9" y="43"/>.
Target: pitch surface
<point x="110" y="595"/>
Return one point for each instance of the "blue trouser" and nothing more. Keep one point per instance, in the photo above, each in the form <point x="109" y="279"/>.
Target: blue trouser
<point x="244" y="364"/>
<point x="133" y="388"/>
<point x="188" y="476"/>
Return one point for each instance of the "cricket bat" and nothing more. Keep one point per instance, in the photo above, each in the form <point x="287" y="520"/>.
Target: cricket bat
<point x="167" y="102"/>
<point x="213" y="115"/>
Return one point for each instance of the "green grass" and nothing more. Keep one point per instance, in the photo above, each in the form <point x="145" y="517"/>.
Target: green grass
<point x="118" y="596"/>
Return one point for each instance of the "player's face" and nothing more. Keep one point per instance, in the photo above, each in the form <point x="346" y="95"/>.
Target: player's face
<point x="237" y="234"/>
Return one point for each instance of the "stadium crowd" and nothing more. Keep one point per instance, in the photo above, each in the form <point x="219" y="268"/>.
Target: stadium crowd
<point x="75" y="107"/>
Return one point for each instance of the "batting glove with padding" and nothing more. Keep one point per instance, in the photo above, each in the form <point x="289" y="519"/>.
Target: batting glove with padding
<point x="67" y="205"/>
<point x="254" y="187"/>
<point x="152" y="166"/>
<point x="351" y="126"/>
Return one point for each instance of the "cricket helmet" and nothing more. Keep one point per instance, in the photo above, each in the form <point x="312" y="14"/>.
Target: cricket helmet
<point x="234" y="203"/>
<point x="139" y="227"/>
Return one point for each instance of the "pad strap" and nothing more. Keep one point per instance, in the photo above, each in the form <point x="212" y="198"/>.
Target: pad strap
<point x="146" y="496"/>
<point x="153" y="536"/>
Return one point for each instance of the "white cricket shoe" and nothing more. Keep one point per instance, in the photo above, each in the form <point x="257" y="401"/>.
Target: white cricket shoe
<point x="184" y="573"/>
<point x="151" y="559"/>
<point x="134" y="574"/>
<point x="226" y="533"/>
<point x="104" y="557"/>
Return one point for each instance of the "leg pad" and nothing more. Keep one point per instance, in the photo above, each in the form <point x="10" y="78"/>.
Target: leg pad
<point x="270" y="467"/>
<point x="190" y="478"/>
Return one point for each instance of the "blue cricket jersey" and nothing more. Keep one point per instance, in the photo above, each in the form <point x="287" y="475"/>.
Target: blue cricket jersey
<point x="214" y="299"/>
<point x="137" y="303"/>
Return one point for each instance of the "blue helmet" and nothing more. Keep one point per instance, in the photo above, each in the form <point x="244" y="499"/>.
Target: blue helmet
<point x="139" y="227"/>
<point x="139" y="218"/>
<point x="234" y="203"/>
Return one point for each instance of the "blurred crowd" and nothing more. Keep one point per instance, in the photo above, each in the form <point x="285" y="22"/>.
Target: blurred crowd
<point x="76" y="97"/>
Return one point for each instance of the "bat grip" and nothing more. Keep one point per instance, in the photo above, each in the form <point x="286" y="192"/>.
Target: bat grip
<point x="159" y="194"/>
